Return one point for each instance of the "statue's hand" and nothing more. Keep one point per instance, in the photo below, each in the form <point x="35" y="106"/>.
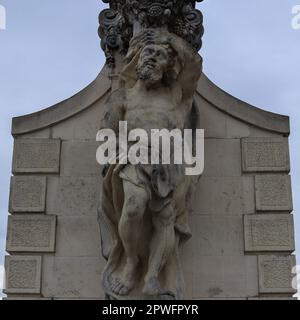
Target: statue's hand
<point x="148" y="37"/>
<point x="144" y="38"/>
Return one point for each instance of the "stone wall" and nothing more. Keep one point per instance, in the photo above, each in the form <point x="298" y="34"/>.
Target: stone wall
<point x="243" y="233"/>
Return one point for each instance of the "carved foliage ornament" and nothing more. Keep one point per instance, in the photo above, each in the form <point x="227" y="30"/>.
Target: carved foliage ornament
<point x="125" y="18"/>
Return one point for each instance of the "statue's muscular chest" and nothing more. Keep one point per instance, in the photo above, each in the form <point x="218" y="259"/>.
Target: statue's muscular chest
<point x="150" y="101"/>
<point x="152" y="110"/>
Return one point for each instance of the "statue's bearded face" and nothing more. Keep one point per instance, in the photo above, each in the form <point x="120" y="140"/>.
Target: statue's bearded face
<point x="152" y="64"/>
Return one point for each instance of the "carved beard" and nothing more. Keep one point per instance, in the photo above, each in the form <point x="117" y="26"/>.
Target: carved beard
<point x="149" y="73"/>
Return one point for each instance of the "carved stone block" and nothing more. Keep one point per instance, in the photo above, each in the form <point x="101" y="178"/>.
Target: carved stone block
<point x="31" y="233"/>
<point x="23" y="274"/>
<point x="36" y="156"/>
<point x="269" y="232"/>
<point x="275" y="274"/>
<point x="27" y="194"/>
<point x="273" y="193"/>
<point x="265" y="155"/>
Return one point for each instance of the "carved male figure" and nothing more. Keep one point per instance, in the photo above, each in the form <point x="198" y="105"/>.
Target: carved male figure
<point x="144" y="207"/>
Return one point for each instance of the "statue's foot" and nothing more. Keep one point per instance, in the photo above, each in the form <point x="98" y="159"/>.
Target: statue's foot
<point x="124" y="284"/>
<point x="119" y="287"/>
<point x="152" y="287"/>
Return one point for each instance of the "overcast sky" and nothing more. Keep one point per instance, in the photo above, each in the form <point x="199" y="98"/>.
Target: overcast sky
<point x="50" y="50"/>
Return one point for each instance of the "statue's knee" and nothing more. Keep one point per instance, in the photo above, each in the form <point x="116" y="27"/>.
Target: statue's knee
<point x="164" y="218"/>
<point x="132" y="213"/>
<point x="134" y="207"/>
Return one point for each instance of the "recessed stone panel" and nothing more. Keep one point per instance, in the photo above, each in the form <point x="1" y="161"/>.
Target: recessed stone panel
<point x="36" y="156"/>
<point x="23" y="274"/>
<point x="27" y="194"/>
<point x="275" y="274"/>
<point x="265" y="155"/>
<point x="31" y="233"/>
<point x="269" y="232"/>
<point x="273" y="193"/>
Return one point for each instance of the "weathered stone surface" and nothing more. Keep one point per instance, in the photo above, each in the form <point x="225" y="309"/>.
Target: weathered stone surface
<point x="236" y="129"/>
<point x="248" y="194"/>
<point x="27" y="194"/>
<point x="217" y="235"/>
<point x="72" y="277"/>
<point x="23" y="274"/>
<point x="40" y="134"/>
<point x="208" y="117"/>
<point x="273" y="193"/>
<point x="275" y="274"/>
<point x="31" y="233"/>
<point x="265" y="155"/>
<point x="78" y="236"/>
<point x="269" y="232"/>
<point x="220" y="276"/>
<point x="73" y="196"/>
<point x="222" y="158"/>
<point x="36" y="156"/>
<point x="79" y="159"/>
<point x="214" y="263"/>
<point x="224" y="196"/>
<point x="257" y="132"/>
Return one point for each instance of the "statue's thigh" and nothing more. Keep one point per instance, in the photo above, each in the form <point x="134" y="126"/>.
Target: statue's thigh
<point x="135" y="199"/>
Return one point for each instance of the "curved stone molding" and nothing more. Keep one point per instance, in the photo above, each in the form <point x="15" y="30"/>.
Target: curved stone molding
<point x="98" y="88"/>
<point x="242" y="110"/>
<point x="65" y="109"/>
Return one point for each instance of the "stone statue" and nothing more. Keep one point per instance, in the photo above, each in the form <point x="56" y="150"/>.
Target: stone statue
<point x="143" y="213"/>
